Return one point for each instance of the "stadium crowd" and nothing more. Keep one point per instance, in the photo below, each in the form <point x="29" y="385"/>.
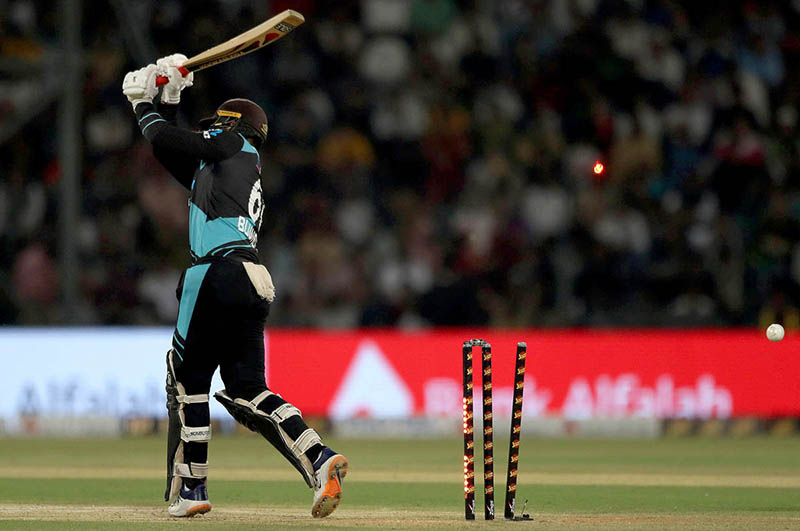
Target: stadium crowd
<point x="431" y="162"/>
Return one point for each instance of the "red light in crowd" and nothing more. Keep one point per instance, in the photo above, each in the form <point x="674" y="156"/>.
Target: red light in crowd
<point x="599" y="168"/>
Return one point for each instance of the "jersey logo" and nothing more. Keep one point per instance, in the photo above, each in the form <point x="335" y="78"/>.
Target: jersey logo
<point x="255" y="206"/>
<point x="211" y="132"/>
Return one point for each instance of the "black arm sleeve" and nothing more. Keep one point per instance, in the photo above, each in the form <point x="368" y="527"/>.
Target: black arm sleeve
<point x="168" y="112"/>
<point x="181" y="167"/>
<point x="181" y="150"/>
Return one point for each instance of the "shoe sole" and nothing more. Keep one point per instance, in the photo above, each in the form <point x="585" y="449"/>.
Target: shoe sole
<point x="332" y="493"/>
<point x="193" y="511"/>
<point x="198" y="509"/>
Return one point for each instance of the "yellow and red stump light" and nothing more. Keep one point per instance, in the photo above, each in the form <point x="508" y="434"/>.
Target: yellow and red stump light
<point x="488" y="431"/>
<point x="516" y="429"/>
<point x="469" y="442"/>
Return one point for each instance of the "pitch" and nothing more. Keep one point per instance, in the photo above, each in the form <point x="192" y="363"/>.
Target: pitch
<point x="570" y="484"/>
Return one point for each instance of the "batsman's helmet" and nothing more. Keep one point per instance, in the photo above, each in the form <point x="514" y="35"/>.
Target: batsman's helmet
<point x="240" y="116"/>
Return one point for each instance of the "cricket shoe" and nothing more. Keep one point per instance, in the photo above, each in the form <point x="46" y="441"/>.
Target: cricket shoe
<point x="190" y="502"/>
<point x="329" y="468"/>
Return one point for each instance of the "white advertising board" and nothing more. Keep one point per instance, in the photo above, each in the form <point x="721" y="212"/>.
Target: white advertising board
<point x="99" y="372"/>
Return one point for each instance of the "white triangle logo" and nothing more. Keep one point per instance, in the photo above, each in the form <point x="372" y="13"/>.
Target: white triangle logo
<point x="371" y="387"/>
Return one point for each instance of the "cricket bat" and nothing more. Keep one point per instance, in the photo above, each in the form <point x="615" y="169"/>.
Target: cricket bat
<point x="251" y="40"/>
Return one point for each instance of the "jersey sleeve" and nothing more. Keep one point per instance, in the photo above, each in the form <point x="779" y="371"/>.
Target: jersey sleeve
<point x="181" y="150"/>
<point x="168" y="112"/>
<point x="181" y="167"/>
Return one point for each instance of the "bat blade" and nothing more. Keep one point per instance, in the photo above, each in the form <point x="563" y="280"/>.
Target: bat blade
<point x="251" y="40"/>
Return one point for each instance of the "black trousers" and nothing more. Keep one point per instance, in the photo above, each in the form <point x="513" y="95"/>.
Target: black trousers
<point x="220" y="324"/>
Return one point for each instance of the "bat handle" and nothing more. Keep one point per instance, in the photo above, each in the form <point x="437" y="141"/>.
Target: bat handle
<point x="163" y="80"/>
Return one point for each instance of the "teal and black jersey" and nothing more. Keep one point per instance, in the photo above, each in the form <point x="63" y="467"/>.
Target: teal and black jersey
<point x="225" y="206"/>
<point x="223" y="172"/>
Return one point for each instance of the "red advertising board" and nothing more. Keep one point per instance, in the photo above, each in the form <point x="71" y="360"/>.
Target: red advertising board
<point x="574" y="374"/>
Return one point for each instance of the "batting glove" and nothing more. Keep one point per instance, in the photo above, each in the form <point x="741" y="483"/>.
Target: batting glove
<point x="168" y="67"/>
<point x="140" y="85"/>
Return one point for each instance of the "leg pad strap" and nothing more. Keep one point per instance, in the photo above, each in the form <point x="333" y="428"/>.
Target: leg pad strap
<point x="306" y="440"/>
<point x="283" y="412"/>
<point x="192" y="399"/>
<point x="191" y="470"/>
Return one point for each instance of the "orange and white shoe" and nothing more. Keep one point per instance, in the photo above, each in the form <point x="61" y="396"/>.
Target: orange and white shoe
<point x="329" y="474"/>
<point x="190" y="502"/>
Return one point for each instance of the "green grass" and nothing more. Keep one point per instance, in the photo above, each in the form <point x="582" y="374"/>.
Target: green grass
<point x="556" y="498"/>
<point x="690" y="455"/>
<point x="547" y="498"/>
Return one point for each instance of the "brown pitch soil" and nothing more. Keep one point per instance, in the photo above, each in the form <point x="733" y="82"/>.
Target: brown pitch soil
<point x="296" y="518"/>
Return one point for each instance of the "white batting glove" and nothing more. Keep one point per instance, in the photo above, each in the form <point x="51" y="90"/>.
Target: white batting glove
<point x="168" y="66"/>
<point x="140" y="85"/>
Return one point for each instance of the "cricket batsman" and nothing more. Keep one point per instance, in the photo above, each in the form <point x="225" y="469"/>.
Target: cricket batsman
<point x="224" y="295"/>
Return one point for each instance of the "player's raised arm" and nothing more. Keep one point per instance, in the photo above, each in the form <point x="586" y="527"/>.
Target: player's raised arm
<point x="178" y="149"/>
<point x="181" y="166"/>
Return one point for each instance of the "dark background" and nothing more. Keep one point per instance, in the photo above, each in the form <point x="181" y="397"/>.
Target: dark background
<point x="430" y="162"/>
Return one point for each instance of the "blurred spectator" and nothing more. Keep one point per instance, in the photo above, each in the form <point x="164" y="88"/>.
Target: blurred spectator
<point x="35" y="280"/>
<point x="430" y="162"/>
